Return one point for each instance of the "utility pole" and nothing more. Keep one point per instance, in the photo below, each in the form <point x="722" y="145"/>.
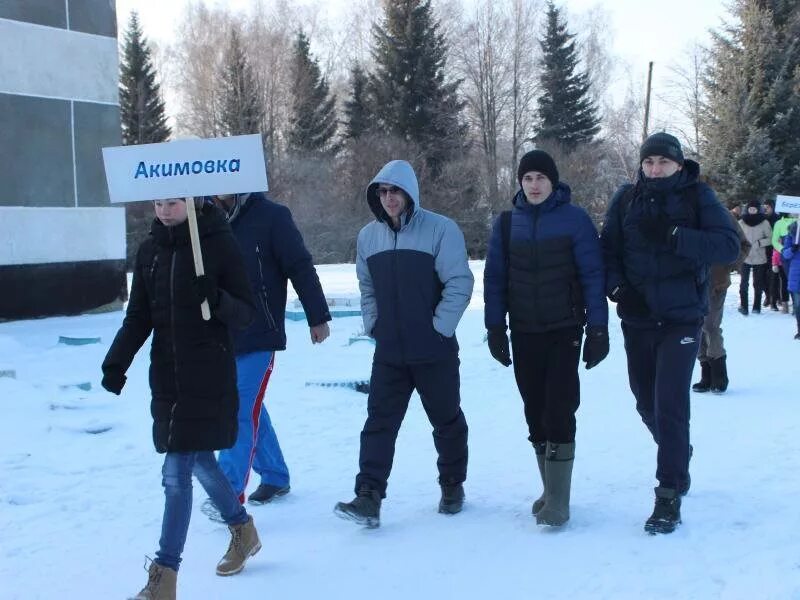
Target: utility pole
<point x="647" y="101"/>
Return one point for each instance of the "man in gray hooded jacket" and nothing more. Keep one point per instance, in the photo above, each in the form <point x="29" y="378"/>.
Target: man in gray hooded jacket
<point x="415" y="284"/>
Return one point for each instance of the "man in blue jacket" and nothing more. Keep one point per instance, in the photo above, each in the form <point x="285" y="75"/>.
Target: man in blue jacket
<point x="415" y="284"/>
<point x="659" y="238"/>
<point x="274" y="253"/>
<point x="544" y="268"/>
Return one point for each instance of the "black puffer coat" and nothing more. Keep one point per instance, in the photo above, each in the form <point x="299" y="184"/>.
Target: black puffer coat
<point x="192" y="366"/>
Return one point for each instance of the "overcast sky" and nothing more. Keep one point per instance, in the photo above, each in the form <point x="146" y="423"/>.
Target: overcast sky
<point x="642" y="30"/>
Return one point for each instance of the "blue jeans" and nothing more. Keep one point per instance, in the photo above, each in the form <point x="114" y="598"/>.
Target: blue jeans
<point x="177" y="481"/>
<point x="256" y="445"/>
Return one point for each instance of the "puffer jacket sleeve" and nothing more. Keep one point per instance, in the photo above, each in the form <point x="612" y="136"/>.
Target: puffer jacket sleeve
<point x="453" y="271"/>
<point x="136" y="326"/>
<point x="715" y="241"/>
<point x="369" y="308"/>
<point x="612" y="243"/>
<point x="236" y="307"/>
<point x="296" y="263"/>
<point x="495" y="280"/>
<point x="589" y="259"/>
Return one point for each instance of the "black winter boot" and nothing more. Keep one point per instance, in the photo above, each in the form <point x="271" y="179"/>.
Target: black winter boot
<point x="667" y="512"/>
<point x="719" y="375"/>
<point x="365" y="509"/>
<point x="558" y="481"/>
<point x="452" y="498"/>
<point x="540" y="448"/>
<point x="705" y="378"/>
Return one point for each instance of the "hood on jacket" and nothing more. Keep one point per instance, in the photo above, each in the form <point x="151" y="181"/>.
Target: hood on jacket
<point x="561" y="194"/>
<point x="401" y="174"/>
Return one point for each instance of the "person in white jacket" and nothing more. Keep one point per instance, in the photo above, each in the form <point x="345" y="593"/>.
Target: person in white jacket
<point x="758" y="232"/>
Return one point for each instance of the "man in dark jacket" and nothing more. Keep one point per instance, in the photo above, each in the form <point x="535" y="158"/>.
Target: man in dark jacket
<point x="415" y="284"/>
<point x="274" y="253"/>
<point x="192" y="374"/>
<point x="544" y="268"/>
<point x="659" y="238"/>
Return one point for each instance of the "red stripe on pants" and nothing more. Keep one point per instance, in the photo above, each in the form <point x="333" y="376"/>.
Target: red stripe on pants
<point x="262" y="389"/>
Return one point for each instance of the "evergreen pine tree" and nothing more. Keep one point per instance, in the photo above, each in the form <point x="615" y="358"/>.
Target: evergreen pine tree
<point x="242" y="110"/>
<point x="567" y="113"/>
<point x="412" y="98"/>
<point x="356" y="109"/>
<point x="313" y="122"/>
<point x="141" y="107"/>
<point x="753" y="113"/>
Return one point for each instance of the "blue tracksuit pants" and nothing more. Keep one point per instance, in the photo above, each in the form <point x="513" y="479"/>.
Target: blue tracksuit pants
<point x="257" y="445"/>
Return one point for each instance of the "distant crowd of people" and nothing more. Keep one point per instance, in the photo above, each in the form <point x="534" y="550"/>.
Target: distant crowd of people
<point x="773" y="239"/>
<point x="664" y="257"/>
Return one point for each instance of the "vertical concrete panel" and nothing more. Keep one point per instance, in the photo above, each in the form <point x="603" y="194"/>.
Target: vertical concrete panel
<point x="36" y="143"/>
<point x="52" y="13"/>
<point x="96" y="125"/>
<point x="98" y="17"/>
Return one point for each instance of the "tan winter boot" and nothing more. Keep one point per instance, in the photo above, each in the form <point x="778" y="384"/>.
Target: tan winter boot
<point x="161" y="584"/>
<point x="558" y="471"/>
<point x="244" y="544"/>
<point x="539" y="448"/>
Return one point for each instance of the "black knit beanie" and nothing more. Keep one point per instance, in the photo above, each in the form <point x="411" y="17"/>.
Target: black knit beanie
<point x="662" y="144"/>
<point x="541" y="161"/>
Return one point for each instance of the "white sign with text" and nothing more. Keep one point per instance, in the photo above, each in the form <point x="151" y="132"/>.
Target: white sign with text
<point x="788" y="204"/>
<point x="186" y="168"/>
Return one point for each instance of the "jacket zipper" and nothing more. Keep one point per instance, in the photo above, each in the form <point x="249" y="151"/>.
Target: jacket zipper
<point x="397" y="297"/>
<point x="264" y="298"/>
<point x="174" y="347"/>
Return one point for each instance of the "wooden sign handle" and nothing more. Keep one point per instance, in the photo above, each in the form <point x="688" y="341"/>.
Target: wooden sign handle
<point x="194" y="236"/>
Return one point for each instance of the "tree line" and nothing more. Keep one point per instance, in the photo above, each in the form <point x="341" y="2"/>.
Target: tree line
<point x="461" y="95"/>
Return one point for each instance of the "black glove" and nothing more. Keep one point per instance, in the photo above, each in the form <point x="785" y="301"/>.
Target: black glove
<point x="630" y="301"/>
<point x="206" y="288"/>
<point x="595" y="348"/>
<point x="657" y="230"/>
<point x="498" y="346"/>
<point x="113" y="381"/>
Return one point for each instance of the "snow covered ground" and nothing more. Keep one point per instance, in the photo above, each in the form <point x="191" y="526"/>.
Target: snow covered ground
<point x="81" y="499"/>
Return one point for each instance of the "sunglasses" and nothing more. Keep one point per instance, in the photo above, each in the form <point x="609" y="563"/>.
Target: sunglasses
<point x="382" y="191"/>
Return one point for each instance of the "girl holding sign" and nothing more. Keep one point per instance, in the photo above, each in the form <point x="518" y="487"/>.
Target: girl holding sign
<point x="192" y="374"/>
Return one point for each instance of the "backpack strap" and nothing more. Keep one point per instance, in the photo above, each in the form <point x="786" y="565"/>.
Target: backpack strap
<point x="505" y="232"/>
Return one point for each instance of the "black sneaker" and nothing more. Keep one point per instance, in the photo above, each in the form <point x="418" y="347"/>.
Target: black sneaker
<point x="267" y="493"/>
<point x="756" y="311"/>
<point x="452" y="498"/>
<point x="667" y="512"/>
<point x="742" y="310"/>
<point x="797" y="336"/>
<point x="365" y="509"/>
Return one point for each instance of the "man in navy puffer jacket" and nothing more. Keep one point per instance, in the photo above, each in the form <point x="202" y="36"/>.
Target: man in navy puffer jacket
<point x="659" y="238"/>
<point x="547" y="273"/>
<point x="274" y="253"/>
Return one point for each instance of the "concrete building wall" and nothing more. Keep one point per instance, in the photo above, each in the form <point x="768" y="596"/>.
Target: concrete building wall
<point x="58" y="107"/>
